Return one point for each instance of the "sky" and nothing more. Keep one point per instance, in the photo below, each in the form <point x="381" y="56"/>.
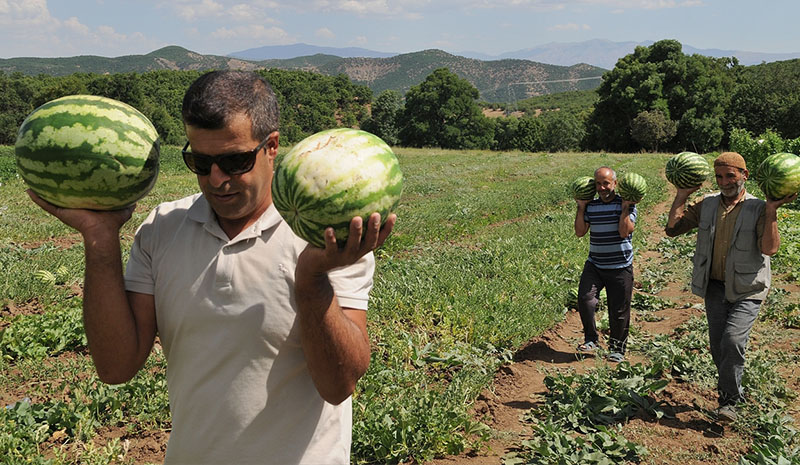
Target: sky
<point x="109" y="28"/>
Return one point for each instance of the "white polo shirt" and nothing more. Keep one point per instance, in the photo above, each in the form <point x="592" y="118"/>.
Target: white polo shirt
<point x="239" y="388"/>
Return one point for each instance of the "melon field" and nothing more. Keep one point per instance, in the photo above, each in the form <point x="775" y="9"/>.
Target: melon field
<point x="472" y="335"/>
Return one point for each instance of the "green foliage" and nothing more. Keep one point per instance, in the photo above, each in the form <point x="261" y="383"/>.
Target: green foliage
<point x="551" y="445"/>
<point x="652" y="128"/>
<point x="42" y="335"/>
<point x="442" y="112"/>
<point x="692" y="90"/>
<point x="383" y="120"/>
<point x="767" y="97"/>
<point x="756" y="149"/>
<point x="309" y="102"/>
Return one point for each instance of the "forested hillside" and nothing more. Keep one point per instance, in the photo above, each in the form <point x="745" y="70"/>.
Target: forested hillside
<point x="491" y="78"/>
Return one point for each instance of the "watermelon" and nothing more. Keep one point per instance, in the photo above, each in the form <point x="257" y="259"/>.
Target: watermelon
<point x="779" y="175"/>
<point x="582" y="188"/>
<point x="85" y="151"/>
<point x="331" y="177"/>
<point x="687" y="170"/>
<point x="631" y="187"/>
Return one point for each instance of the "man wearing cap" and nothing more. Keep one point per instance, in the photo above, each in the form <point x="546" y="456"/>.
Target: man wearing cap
<point x="736" y="235"/>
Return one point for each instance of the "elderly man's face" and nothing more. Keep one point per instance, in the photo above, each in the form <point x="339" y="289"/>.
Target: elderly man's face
<point x="730" y="180"/>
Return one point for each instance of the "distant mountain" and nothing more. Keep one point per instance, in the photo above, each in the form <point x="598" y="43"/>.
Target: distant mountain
<point x="605" y="53"/>
<point x="497" y="81"/>
<point x="172" y="57"/>
<point x="282" y="52"/>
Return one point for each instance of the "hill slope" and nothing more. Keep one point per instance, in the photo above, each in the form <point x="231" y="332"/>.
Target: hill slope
<point x="497" y="81"/>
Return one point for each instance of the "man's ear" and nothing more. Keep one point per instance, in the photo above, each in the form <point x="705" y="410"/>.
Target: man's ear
<point x="272" y="144"/>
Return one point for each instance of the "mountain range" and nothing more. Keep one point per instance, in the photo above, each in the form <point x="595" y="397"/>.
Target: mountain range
<point x="504" y="80"/>
<point x="597" y="52"/>
<point x="550" y="68"/>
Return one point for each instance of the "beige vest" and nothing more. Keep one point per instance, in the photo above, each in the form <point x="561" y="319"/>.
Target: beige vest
<point x="747" y="270"/>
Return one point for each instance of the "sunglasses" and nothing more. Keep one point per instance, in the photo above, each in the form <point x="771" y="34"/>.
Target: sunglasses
<point x="229" y="163"/>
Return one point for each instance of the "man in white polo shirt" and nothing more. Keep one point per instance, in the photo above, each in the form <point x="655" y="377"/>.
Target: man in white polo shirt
<point x="265" y="336"/>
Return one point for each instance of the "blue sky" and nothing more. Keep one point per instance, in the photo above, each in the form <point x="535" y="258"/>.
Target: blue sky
<point x="56" y="28"/>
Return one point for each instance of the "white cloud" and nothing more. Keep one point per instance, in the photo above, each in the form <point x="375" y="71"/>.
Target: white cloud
<point x="74" y="26"/>
<point x="325" y="33"/>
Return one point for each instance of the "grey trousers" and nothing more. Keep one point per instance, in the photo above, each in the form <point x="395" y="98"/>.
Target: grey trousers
<point x="729" y="325"/>
<point x="619" y="289"/>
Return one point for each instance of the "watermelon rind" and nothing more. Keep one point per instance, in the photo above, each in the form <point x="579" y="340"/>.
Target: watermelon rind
<point x="631" y="187"/>
<point x="582" y="188"/>
<point x="332" y="176"/>
<point x="88" y="151"/>
<point x="687" y="170"/>
<point x="779" y="175"/>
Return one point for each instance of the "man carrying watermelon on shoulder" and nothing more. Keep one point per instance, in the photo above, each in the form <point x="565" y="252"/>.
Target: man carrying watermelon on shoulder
<point x="736" y="235"/>
<point x="610" y="221"/>
<point x="265" y="336"/>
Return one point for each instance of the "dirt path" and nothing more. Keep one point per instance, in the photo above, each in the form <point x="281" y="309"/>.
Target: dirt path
<point x="689" y="438"/>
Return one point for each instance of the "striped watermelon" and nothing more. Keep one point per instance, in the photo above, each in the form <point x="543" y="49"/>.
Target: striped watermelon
<point x="85" y="151"/>
<point x="582" y="188"/>
<point x="332" y="176"/>
<point x="779" y="175"/>
<point x="687" y="170"/>
<point x="631" y="187"/>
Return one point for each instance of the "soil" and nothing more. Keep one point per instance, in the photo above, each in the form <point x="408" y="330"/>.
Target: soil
<point x="689" y="438"/>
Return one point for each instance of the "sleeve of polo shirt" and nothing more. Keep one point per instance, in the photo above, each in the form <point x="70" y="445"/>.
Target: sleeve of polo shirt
<point x="138" y="271"/>
<point x="353" y="283"/>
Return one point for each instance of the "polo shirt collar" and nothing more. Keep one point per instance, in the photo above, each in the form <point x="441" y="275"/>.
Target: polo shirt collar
<point x="201" y="212"/>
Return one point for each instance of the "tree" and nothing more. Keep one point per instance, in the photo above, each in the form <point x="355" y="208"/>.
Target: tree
<point x="653" y="128"/>
<point x="385" y="111"/>
<point x="662" y="78"/>
<point x="563" y="131"/>
<point x="442" y="112"/>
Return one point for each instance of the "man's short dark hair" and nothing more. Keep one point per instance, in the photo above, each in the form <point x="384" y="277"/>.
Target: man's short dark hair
<point x="213" y="98"/>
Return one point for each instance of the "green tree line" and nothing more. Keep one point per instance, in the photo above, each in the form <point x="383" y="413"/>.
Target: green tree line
<point x="656" y="98"/>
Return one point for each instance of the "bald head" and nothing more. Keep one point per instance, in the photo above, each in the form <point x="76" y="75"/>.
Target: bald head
<point x="605" y="181"/>
<point x="604" y="172"/>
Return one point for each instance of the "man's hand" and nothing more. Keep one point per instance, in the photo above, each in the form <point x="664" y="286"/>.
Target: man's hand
<point x="774" y="204"/>
<point x="359" y="243"/>
<point x="683" y="194"/>
<point x="86" y="222"/>
<point x="582" y="203"/>
<point x="626" y="205"/>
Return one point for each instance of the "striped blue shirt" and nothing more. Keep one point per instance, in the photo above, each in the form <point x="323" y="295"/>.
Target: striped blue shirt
<point x="606" y="249"/>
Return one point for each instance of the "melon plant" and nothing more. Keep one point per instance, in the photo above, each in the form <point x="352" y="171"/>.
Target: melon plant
<point x="331" y="177"/>
<point x="582" y="188"/>
<point x="687" y="170"/>
<point x="779" y="175"/>
<point x="86" y="151"/>
<point x="631" y="187"/>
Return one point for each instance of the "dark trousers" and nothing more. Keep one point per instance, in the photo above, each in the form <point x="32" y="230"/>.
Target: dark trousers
<point x="618" y="284"/>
